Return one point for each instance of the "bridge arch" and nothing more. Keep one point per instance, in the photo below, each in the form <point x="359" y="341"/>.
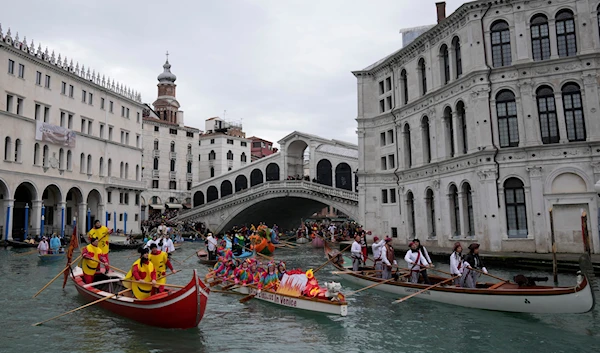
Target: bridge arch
<point x="324" y="172"/>
<point x="256" y="177"/>
<point x="226" y="188"/>
<point x="241" y="183"/>
<point x="198" y="198"/>
<point x="212" y="193"/>
<point x="272" y="172"/>
<point x="295" y="158"/>
<point x="343" y="176"/>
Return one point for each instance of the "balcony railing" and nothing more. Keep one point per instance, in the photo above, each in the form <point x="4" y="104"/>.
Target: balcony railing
<point x="155" y="153"/>
<point x="173" y="155"/>
<point x="155" y="174"/>
<point x="172" y="175"/>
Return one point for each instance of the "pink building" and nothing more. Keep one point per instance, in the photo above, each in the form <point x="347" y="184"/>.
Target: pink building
<point x="261" y="148"/>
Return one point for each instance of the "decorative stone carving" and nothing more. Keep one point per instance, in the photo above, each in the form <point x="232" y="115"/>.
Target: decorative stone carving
<point x="436" y="184"/>
<point x="596" y="166"/>
<point x="534" y="171"/>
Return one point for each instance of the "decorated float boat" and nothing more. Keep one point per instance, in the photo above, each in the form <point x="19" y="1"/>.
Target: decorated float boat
<point x="262" y="245"/>
<point x="181" y="309"/>
<point x="502" y="296"/>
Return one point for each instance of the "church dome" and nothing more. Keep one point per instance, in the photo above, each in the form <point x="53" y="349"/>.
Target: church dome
<point x="167" y="76"/>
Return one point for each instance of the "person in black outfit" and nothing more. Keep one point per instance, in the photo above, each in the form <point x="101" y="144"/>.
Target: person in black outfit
<point x="474" y="266"/>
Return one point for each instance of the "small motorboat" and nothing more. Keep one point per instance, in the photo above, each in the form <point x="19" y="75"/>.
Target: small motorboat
<point x="51" y="257"/>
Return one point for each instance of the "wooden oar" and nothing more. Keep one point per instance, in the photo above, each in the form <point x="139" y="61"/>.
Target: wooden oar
<point x="229" y="286"/>
<point x="25" y="253"/>
<point x="196" y="253"/>
<point x="225" y="292"/>
<point x="84" y="306"/>
<point x="332" y="257"/>
<point x="257" y="253"/>
<point x="249" y="296"/>
<point x="487" y="274"/>
<point x="371" y="286"/>
<point x="54" y="279"/>
<point x="157" y="284"/>
<point x="425" y="290"/>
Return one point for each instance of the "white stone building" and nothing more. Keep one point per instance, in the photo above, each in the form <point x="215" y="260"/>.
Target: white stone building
<point x="223" y="147"/>
<point x="171" y="150"/>
<point x="70" y="142"/>
<point x="482" y="124"/>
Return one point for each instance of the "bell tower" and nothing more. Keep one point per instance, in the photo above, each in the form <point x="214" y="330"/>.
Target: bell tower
<point x="166" y="105"/>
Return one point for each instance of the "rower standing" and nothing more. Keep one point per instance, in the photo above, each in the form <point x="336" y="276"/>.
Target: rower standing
<point x="415" y="261"/>
<point x="101" y="233"/>
<point x="356" y="253"/>
<point x="425" y="255"/>
<point x="377" y="247"/>
<point x="43" y="246"/>
<point x="160" y="260"/>
<point x="388" y="258"/>
<point x="91" y="260"/>
<point x="474" y="266"/>
<point x="54" y="244"/>
<point x="456" y="264"/>
<point x="142" y="270"/>
<point x="211" y="244"/>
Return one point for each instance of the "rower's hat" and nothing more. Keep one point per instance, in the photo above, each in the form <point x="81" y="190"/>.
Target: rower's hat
<point x="375" y="238"/>
<point x="474" y="246"/>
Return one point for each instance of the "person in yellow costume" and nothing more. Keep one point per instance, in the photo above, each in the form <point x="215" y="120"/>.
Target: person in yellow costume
<point x="160" y="260"/>
<point x="91" y="260"/>
<point x="142" y="270"/>
<point x="101" y="233"/>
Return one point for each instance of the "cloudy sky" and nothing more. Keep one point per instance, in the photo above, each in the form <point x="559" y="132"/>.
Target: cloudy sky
<point x="274" y="65"/>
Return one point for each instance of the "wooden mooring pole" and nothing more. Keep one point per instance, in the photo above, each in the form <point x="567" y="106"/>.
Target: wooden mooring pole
<point x="554" y="261"/>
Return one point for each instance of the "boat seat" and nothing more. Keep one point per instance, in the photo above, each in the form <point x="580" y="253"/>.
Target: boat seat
<point x="157" y="296"/>
<point x="497" y="285"/>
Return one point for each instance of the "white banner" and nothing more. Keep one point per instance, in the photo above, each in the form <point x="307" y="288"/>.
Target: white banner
<point x="53" y="134"/>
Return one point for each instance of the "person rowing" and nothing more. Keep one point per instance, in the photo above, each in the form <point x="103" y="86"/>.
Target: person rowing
<point x="388" y="259"/>
<point x="456" y="264"/>
<point x="142" y="270"/>
<point x="160" y="260"/>
<point x="415" y="261"/>
<point x="473" y="266"/>
<point x="425" y="256"/>
<point x="377" y="247"/>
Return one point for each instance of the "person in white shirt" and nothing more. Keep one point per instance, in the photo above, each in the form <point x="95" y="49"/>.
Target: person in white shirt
<point x="356" y="253"/>
<point x="162" y="228"/>
<point x="168" y="245"/>
<point x="456" y="264"/>
<point x="43" y="246"/>
<point x="154" y="240"/>
<point x="377" y="246"/>
<point x="331" y="230"/>
<point x="425" y="255"/>
<point x="211" y="244"/>
<point x="387" y="259"/>
<point x="415" y="260"/>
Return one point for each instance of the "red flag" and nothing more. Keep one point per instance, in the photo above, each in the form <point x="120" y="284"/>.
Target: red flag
<point x="74" y="244"/>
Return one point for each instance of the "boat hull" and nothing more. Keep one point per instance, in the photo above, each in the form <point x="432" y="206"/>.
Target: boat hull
<point x="321" y="306"/>
<point x="182" y="309"/>
<point x="318" y="242"/>
<point x="51" y="257"/>
<point x="264" y="247"/>
<point x="301" y="240"/>
<point x="20" y="244"/>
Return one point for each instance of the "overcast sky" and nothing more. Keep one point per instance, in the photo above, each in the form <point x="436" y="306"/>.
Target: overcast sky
<point x="275" y="65"/>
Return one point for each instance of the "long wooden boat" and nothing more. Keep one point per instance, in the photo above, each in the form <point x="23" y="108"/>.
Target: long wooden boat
<point x="123" y="246"/>
<point x="502" y="296"/>
<point x="296" y="302"/>
<point x="51" y="257"/>
<point x="181" y="309"/>
<point x="203" y="258"/>
<point x="21" y="244"/>
<point x="317" y="242"/>
<point x="302" y="240"/>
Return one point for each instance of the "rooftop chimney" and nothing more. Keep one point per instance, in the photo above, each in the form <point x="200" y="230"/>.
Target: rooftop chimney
<point x="441" y="11"/>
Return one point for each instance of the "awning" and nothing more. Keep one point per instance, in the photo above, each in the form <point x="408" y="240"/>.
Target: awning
<point x="157" y="207"/>
<point x="174" y="205"/>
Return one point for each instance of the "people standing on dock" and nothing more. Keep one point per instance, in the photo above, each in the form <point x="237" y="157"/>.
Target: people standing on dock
<point x="415" y="260"/>
<point x="91" y="260"/>
<point x="377" y="247"/>
<point x="425" y="255"/>
<point x="43" y="246"/>
<point x="142" y="270"/>
<point x="456" y="264"/>
<point x="356" y="253"/>
<point x="473" y="266"/>
<point x="388" y="259"/>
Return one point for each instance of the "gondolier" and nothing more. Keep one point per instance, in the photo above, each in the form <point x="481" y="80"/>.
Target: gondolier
<point x="161" y="262"/>
<point x="388" y="259"/>
<point x="415" y="261"/>
<point x="456" y="264"/>
<point x="377" y="246"/>
<point x="356" y="252"/>
<point x="102" y="233"/>
<point x="473" y="263"/>
<point x="425" y="256"/>
<point x="211" y="245"/>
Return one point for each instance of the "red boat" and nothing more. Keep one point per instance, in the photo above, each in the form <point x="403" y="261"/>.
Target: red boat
<point x="182" y="309"/>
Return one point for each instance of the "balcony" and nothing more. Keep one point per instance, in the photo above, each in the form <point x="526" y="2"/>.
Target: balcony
<point x="155" y="153"/>
<point x="172" y="175"/>
<point x="172" y="155"/>
<point x="189" y="176"/>
<point x="118" y="183"/>
<point x="189" y="157"/>
<point x="155" y="174"/>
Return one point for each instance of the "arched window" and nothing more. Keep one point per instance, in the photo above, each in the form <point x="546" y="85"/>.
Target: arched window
<point x="470" y="221"/>
<point x="423" y="76"/>
<point x="454" y="211"/>
<point x="540" y="38"/>
<point x="457" y="56"/>
<point x="547" y="115"/>
<point x="404" y="86"/>
<point x="449" y="125"/>
<point x="410" y="208"/>
<point x="212" y="156"/>
<point x="506" y="109"/>
<point x="126" y="170"/>
<point x="155" y="164"/>
<point x="69" y="160"/>
<point x="137" y="172"/>
<point x="45" y="155"/>
<point x="172" y="146"/>
<point x="7" y="148"/>
<point x="462" y="124"/>
<point x="81" y="163"/>
<point x="243" y="157"/>
<point x="430" y="204"/>
<point x="574" y="118"/>
<point x="229" y="155"/>
<point x="109" y="167"/>
<point x="516" y="209"/>
<point x="445" y="61"/>
<point x="189" y="167"/>
<point x="501" y="51"/>
<point x="89" y="164"/>
<point x="407" y="146"/>
<point x="212" y="172"/>
<point x="121" y="170"/>
<point x="189" y="149"/>
<point x="18" y="150"/>
<point x="172" y="165"/>
<point x="565" y="34"/>
<point x="36" y="154"/>
<point x="156" y="145"/>
<point x="426" y="140"/>
<point x="61" y="159"/>
<point x="101" y="167"/>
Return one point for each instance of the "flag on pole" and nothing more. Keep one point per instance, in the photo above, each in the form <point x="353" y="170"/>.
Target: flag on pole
<point x="74" y="244"/>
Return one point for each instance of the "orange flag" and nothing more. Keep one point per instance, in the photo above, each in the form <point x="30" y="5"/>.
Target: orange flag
<point x="74" y="244"/>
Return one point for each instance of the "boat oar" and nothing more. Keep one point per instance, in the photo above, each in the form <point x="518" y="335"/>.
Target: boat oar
<point x="25" y="253"/>
<point x="425" y="290"/>
<point x="157" y="284"/>
<point x="196" y="253"/>
<point x="332" y="257"/>
<point x="487" y="274"/>
<point x="225" y="292"/>
<point x="249" y="296"/>
<point x="371" y="286"/>
<point x="84" y="306"/>
<point x="54" y="279"/>
<point x="257" y="253"/>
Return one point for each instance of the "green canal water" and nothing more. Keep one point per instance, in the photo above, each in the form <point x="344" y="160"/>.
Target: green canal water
<point x="373" y="324"/>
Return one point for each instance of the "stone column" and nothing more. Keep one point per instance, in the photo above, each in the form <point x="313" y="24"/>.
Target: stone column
<point x="36" y="216"/>
<point x="529" y="135"/>
<point x="488" y="204"/>
<point x="457" y="133"/>
<point x="538" y="211"/>
<point x="451" y="62"/>
<point x="463" y="209"/>
<point x="591" y="105"/>
<point x="9" y="208"/>
<point x="82" y="226"/>
<point x="553" y="44"/>
<point x="62" y="217"/>
<point x="482" y="121"/>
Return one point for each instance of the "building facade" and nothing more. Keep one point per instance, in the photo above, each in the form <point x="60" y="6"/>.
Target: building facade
<point x="71" y="145"/>
<point x="261" y="148"/>
<point x="481" y="125"/>
<point x="223" y="147"/>
<point x="171" y="150"/>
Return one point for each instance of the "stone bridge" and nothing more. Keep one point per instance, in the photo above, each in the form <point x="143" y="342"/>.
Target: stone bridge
<point x="264" y="190"/>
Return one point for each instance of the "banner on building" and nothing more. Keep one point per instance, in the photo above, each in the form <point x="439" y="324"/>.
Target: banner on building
<point x="53" y="134"/>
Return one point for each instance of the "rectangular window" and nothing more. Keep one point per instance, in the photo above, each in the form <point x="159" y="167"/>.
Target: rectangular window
<point x="127" y="113"/>
<point x="381" y="87"/>
<point x="155" y="184"/>
<point x="89" y="127"/>
<point x="120" y="217"/>
<point x="63" y="87"/>
<point x="11" y="67"/>
<point x="382" y="105"/>
<point x="388" y="100"/>
<point x="83" y="96"/>
<point x="47" y="85"/>
<point x="63" y="117"/>
<point x="127" y="138"/>
<point x="109" y="196"/>
<point x="19" y="106"/>
<point x="243" y="143"/>
<point x="388" y="84"/>
<point x="121" y="198"/>
<point x="173" y="131"/>
<point x="21" y="70"/>
<point x="136" y="218"/>
<point x="189" y="185"/>
<point x="122" y="136"/>
<point x="110" y="106"/>
<point x="38" y="78"/>
<point x="189" y="134"/>
<point x="229" y="141"/>
<point x="46" y="114"/>
<point x="127" y="198"/>
<point x="102" y="103"/>
<point x="156" y="129"/>
<point x="101" y="130"/>
<point x="137" y="199"/>
<point x="37" y="111"/>
<point x="137" y="141"/>
<point x="90" y="99"/>
<point x="9" y="103"/>
<point x="391" y="161"/>
<point x="384" y="196"/>
<point x="122" y="111"/>
<point x="83" y="126"/>
<point x="138" y="117"/>
<point x="172" y="185"/>
<point x="212" y="141"/>
<point x="71" y="91"/>
<point x="70" y="122"/>
<point x="110" y="133"/>
<point x="392" y="195"/>
<point x="383" y="163"/>
<point x="394" y="232"/>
